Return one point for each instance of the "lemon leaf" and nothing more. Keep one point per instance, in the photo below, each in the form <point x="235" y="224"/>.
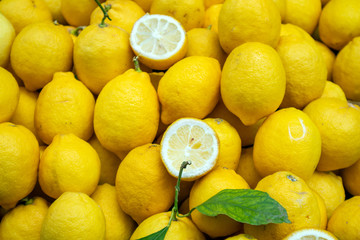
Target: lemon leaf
<point x="159" y="235"/>
<point x="245" y="205"/>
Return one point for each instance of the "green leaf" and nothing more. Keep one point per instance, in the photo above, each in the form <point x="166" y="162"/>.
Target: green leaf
<point x="245" y="205"/>
<point x="159" y="235"/>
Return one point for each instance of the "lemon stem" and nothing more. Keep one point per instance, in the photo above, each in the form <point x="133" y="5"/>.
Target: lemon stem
<point x="26" y="201"/>
<point x="77" y="31"/>
<point x="105" y="12"/>
<point x="209" y="27"/>
<point x="136" y="64"/>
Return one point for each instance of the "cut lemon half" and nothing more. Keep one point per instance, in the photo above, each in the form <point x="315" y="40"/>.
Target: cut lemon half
<point x="311" y="234"/>
<point x="158" y="40"/>
<point x="189" y="139"/>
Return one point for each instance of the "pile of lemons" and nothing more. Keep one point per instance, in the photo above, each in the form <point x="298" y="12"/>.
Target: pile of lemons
<point x="99" y="107"/>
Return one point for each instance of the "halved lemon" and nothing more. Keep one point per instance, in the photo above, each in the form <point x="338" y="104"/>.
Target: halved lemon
<point x="311" y="234"/>
<point x="189" y="139"/>
<point x="158" y="40"/>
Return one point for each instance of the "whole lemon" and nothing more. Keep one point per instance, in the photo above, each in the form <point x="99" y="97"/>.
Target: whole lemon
<point x="332" y="90"/>
<point x="212" y="17"/>
<point x="253" y="82"/>
<point x="7" y="35"/>
<point x="246" y="167"/>
<point x="329" y="57"/>
<point x="55" y="9"/>
<point x="351" y="178"/>
<point x="77" y="13"/>
<point x="9" y="95"/>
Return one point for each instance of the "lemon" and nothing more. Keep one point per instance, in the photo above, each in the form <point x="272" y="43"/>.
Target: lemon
<point x="329" y="57"/>
<point x="73" y="215"/>
<point x="347" y="69"/>
<point x="310" y="233"/>
<point x="189" y="13"/>
<point x="338" y="123"/>
<point x="246" y="167"/>
<point x="25" y="12"/>
<point x="9" y="95"/>
<point x="158" y="40"/>
<point x="241" y="236"/>
<point x="350" y="176"/>
<point x="77" y="13"/>
<point x="68" y="164"/>
<point x="330" y="187"/>
<point x="332" y="90"/>
<point x="7" y="35"/>
<point x="34" y="60"/>
<point x="144" y="4"/>
<point x="281" y="6"/>
<point x="181" y="228"/>
<point x="243" y="21"/>
<point x="119" y="225"/>
<point x="190" y="88"/>
<point x="19" y="159"/>
<point x="123" y="13"/>
<point x="143" y="185"/>
<point x="25" y="220"/>
<point x="304" y="66"/>
<point x="229" y="142"/>
<point x="55" y="10"/>
<point x="210" y="3"/>
<point x="296" y="197"/>
<point x="126" y="112"/>
<point x="288" y="140"/>
<point x="212" y="17"/>
<point x="253" y="82"/>
<point x="189" y="139"/>
<point x="322" y="209"/>
<point x="101" y="53"/>
<point x="219" y="179"/>
<point x="339" y="23"/>
<point x="64" y="105"/>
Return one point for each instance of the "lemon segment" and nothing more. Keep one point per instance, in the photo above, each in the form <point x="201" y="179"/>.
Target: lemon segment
<point x="311" y="233"/>
<point x="189" y="139"/>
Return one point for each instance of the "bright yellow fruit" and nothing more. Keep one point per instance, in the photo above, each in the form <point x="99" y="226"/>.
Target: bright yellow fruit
<point x="68" y="164"/>
<point x="322" y="209"/>
<point x="338" y="123"/>
<point x="330" y="187"/>
<point x="189" y="13"/>
<point x="212" y="17"/>
<point x="101" y="53"/>
<point x="158" y="40"/>
<point x="329" y="57"/>
<point x="25" y="12"/>
<point x="64" y="105"/>
<point x="253" y="82"/>
<point x="77" y="13"/>
<point x="55" y="9"/>
<point x="19" y="159"/>
<point x="73" y="215"/>
<point x="243" y="21"/>
<point x="119" y="225"/>
<point x="25" y="220"/>
<point x="246" y="167"/>
<point x="339" y="23"/>
<point x="310" y="233"/>
<point x="332" y="90"/>
<point x="344" y="222"/>
<point x="281" y="5"/>
<point x="7" y="35"/>
<point x="229" y="142"/>
<point x="126" y="112"/>
<point x="219" y="179"/>
<point x="144" y="4"/>
<point x="304" y="66"/>
<point x="351" y="178"/>
<point x="9" y="95"/>
<point x="189" y="139"/>
<point x="123" y="13"/>
<point x="190" y="88"/>
<point x="287" y="141"/>
<point x="143" y="185"/>
<point x="210" y="3"/>
<point x="241" y="236"/>
<point x="182" y="228"/>
<point x="39" y="51"/>
<point x="346" y="70"/>
<point x="296" y="197"/>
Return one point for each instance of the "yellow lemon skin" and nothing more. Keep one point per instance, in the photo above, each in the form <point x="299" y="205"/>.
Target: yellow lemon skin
<point x="73" y="215"/>
<point x="144" y="4"/>
<point x="190" y="88"/>
<point x="119" y="225"/>
<point x="351" y="178"/>
<point x="287" y="141"/>
<point x="329" y="57"/>
<point x="322" y="209"/>
<point x="126" y="112"/>
<point x="248" y="21"/>
<point x="338" y="123"/>
<point x="339" y="23"/>
<point x="123" y="13"/>
<point x="25" y="220"/>
<point x="296" y="197"/>
<point x="346" y="71"/>
<point x="7" y="35"/>
<point x="19" y="159"/>
<point x="25" y="12"/>
<point x="143" y="185"/>
<point x="212" y="17"/>
<point x="39" y="51"/>
<point x="68" y="164"/>
<point x="246" y="167"/>
<point x="344" y="222"/>
<point x="252" y="82"/>
<point x="101" y="54"/>
<point x="281" y="5"/>
<point x="204" y="188"/>
<point x="182" y="228"/>
<point x="189" y="13"/>
<point x="55" y="10"/>
<point x="9" y="95"/>
<point x="332" y="90"/>
<point x="64" y="105"/>
<point x="77" y="13"/>
<point x="241" y="236"/>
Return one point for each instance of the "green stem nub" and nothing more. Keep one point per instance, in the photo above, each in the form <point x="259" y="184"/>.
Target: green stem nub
<point x="105" y="12"/>
<point x="136" y="64"/>
<point x="26" y="201"/>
